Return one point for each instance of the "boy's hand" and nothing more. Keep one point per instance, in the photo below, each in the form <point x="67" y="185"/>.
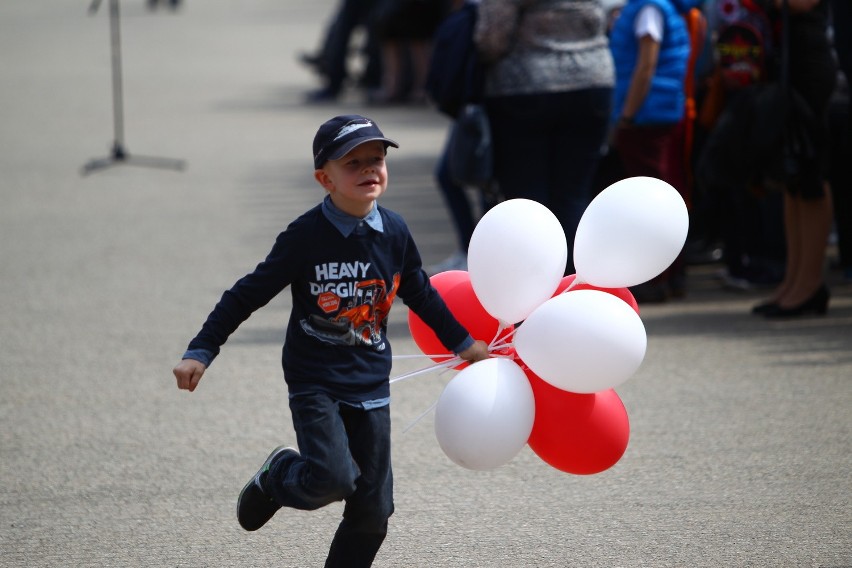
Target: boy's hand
<point x="476" y="352"/>
<point x="188" y="372"/>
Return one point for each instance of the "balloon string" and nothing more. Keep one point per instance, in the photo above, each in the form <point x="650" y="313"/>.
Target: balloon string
<point x="421" y="417"/>
<point x="571" y="286"/>
<point x="502" y="342"/>
<point x="501" y="326"/>
<point x="435" y="356"/>
<point x="437" y="366"/>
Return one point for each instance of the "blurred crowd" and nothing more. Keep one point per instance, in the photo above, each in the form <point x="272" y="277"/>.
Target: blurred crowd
<point x="391" y="39"/>
<point x="581" y="93"/>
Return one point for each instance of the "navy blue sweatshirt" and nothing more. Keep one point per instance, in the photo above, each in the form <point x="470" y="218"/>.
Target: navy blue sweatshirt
<point x="343" y="277"/>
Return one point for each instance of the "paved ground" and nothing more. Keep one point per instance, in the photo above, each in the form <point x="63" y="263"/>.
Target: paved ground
<point x="740" y="440"/>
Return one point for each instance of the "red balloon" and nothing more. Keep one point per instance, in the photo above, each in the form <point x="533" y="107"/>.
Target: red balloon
<point x="577" y="433"/>
<point x="457" y="292"/>
<point x="623" y="293"/>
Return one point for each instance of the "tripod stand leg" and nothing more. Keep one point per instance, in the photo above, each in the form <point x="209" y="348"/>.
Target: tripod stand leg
<point x="120" y="156"/>
<point x="155" y="162"/>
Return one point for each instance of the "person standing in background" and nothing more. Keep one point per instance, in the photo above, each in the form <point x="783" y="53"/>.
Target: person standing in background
<point x="332" y="60"/>
<point x="405" y="29"/>
<point x="650" y="46"/>
<point x="455" y="80"/>
<point x="808" y="212"/>
<point x="548" y="91"/>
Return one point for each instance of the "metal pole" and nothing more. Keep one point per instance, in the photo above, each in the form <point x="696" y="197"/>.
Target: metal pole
<point x="117" y="104"/>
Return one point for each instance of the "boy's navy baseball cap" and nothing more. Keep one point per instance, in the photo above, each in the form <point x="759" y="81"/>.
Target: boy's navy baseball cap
<point x="336" y="137"/>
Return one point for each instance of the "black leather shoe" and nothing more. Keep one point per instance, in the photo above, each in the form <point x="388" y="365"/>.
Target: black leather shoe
<point x="254" y="506"/>
<point x="816" y="304"/>
<point x="761" y="309"/>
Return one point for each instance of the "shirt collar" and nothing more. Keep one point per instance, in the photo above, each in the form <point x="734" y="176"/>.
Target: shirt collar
<point x="346" y="223"/>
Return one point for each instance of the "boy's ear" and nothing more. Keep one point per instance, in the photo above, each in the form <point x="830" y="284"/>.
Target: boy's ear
<point x="324" y="179"/>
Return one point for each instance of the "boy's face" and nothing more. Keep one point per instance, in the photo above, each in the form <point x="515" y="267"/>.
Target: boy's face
<point x="357" y="179"/>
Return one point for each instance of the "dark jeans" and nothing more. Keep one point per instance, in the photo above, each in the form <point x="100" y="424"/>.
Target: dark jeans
<point x="345" y="455"/>
<point x="461" y="209"/>
<point x="547" y="147"/>
<point x="655" y="151"/>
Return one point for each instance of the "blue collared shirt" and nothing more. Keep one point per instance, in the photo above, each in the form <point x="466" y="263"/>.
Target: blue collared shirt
<point x="347" y="224"/>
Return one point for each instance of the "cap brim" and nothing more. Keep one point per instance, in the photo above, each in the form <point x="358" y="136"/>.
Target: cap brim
<point x="347" y="147"/>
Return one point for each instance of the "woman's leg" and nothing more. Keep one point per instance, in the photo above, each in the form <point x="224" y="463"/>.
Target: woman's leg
<point x="391" y="72"/>
<point x="421" y="52"/>
<point x="808" y="224"/>
<point x="792" y="228"/>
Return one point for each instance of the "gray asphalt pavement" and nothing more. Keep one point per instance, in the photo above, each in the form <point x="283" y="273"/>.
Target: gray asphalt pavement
<point x="740" y="428"/>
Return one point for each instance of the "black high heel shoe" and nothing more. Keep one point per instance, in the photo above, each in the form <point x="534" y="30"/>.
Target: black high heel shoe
<point x="816" y="304"/>
<point x="761" y="309"/>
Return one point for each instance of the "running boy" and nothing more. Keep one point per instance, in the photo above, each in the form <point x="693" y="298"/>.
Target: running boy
<point x="345" y="261"/>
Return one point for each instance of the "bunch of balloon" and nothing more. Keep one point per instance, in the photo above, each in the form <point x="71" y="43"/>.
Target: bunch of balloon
<point x="581" y="335"/>
<point x="516" y="260"/>
<point x="457" y="292"/>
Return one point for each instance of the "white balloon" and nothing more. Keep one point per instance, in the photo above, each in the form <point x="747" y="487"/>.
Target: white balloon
<point x="583" y="341"/>
<point x="485" y="414"/>
<point x="630" y="232"/>
<point x="516" y="258"/>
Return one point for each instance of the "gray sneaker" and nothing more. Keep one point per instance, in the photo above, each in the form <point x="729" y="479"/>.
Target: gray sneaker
<point x="254" y="506"/>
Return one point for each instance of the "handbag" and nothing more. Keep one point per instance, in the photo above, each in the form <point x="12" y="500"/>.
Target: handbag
<point x="470" y="154"/>
<point x="456" y="74"/>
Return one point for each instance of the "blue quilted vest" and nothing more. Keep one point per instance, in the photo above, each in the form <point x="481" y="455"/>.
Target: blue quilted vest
<point x="666" y="99"/>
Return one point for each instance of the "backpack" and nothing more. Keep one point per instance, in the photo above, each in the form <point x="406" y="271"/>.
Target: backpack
<point x="455" y="74"/>
<point x="743" y="45"/>
<point x="696" y="25"/>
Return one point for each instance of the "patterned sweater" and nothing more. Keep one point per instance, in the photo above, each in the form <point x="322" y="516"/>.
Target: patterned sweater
<point x="343" y="278"/>
<point x="540" y="46"/>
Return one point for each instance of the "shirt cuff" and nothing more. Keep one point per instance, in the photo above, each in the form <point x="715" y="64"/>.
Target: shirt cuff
<point x="464" y="345"/>
<point x="201" y="355"/>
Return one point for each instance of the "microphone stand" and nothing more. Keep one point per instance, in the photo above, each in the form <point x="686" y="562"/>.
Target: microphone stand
<point x="119" y="154"/>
